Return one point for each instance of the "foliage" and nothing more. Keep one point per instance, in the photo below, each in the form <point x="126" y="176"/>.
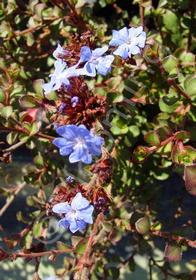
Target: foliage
<point x="144" y="109"/>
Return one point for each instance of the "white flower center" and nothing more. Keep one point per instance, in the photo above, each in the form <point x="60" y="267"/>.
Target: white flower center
<point x="94" y="60"/>
<point x="79" y="141"/>
<point x="132" y="41"/>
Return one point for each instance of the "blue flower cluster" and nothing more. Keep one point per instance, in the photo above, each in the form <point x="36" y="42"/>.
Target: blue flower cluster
<point x="78" y="141"/>
<point x="129" y="42"/>
<point x="76" y="215"/>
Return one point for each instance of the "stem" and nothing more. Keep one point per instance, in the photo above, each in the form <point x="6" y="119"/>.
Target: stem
<point x="4" y="208"/>
<point x="172" y="82"/>
<point x="141" y="13"/>
<point x="192" y="4"/>
<point x="99" y="218"/>
<point x="34" y="255"/>
<point x="92" y="181"/>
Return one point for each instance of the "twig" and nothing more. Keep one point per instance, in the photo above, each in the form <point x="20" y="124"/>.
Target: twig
<point x="4" y="208"/>
<point x="99" y="218"/>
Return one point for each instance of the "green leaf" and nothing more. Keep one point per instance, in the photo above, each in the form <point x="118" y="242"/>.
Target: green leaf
<point x="2" y="97"/>
<point x="39" y="162"/>
<point x="170" y="21"/>
<point x="141" y="154"/>
<point x="132" y="265"/>
<point x="37" y="87"/>
<point x="12" y="138"/>
<point x="37" y="229"/>
<point x="143" y="226"/>
<point x="30" y="39"/>
<point x="115" y="235"/>
<point x="75" y="240"/>
<point x="170" y="64"/>
<point x="21" y="218"/>
<point x="190" y="178"/>
<point x="157" y="226"/>
<point x="165" y="150"/>
<point x="62" y="246"/>
<point x="28" y="101"/>
<point x="168" y="108"/>
<point x="173" y="252"/>
<point x="145" y="246"/>
<point x="113" y="272"/>
<point x="184" y="231"/>
<point x="183" y="136"/>
<point x="107" y="226"/>
<point x="81" y="246"/>
<point x="26" y="240"/>
<point x="12" y="241"/>
<point x="6" y="111"/>
<point x="172" y="97"/>
<point x="190" y="85"/>
<point x="152" y="138"/>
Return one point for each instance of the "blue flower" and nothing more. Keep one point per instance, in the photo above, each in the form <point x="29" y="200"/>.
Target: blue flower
<point x="60" y="76"/>
<point x="76" y="215"/>
<point x="51" y="278"/>
<point x="59" y="50"/>
<point x="77" y="141"/>
<point x="95" y="61"/>
<point x="130" y="41"/>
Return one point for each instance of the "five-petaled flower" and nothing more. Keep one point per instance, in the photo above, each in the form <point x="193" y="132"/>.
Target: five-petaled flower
<point x="61" y="76"/>
<point x="77" y="141"/>
<point x="95" y="61"/>
<point x="130" y="41"/>
<point x="76" y="215"/>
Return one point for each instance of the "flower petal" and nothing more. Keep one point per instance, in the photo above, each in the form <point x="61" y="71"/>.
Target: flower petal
<point x="94" y="144"/>
<point x="74" y="226"/>
<point x="62" y="207"/>
<point x="90" y="69"/>
<point x="80" y="153"/>
<point x="104" y="65"/>
<point x="99" y="51"/>
<point x="79" y="202"/>
<point x="81" y="224"/>
<point x="134" y="50"/>
<point x="66" y="146"/>
<point x="86" y="214"/>
<point x="122" y="51"/>
<point x="68" y="131"/>
<point x="64" y="222"/>
<point x="85" y="54"/>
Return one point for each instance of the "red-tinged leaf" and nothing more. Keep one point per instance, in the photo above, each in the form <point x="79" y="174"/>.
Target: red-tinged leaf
<point x="3" y="255"/>
<point x="28" y="101"/>
<point x="115" y="235"/>
<point x="183" y="136"/>
<point x="152" y="138"/>
<point x="143" y="226"/>
<point x="13" y="241"/>
<point x="177" y="150"/>
<point x="169" y="63"/>
<point x="62" y="246"/>
<point x="141" y="96"/>
<point x="164" y="132"/>
<point x="141" y="154"/>
<point x="190" y="178"/>
<point x="184" y="231"/>
<point x="173" y="252"/>
<point x="82" y="244"/>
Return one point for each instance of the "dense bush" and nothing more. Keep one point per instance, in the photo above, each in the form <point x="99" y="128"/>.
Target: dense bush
<point x="108" y="115"/>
